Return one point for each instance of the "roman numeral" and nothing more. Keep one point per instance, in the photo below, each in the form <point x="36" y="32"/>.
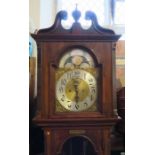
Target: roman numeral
<point x="63" y="98"/>
<point x="77" y="106"/>
<point x="93" y="90"/>
<point x="86" y="104"/>
<point x="63" y="82"/>
<point x="91" y="97"/>
<point x="61" y="89"/>
<point x="90" y="80"/>
<point x="69" y="106"/>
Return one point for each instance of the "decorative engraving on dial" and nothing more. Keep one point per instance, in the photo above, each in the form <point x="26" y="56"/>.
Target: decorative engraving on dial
<point x="76" y="90"/>
<point x="76" y="58"/>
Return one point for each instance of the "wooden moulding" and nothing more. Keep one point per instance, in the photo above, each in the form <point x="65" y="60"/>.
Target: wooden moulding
<point x="76" y="32"/>
<point x="75" y="123"/>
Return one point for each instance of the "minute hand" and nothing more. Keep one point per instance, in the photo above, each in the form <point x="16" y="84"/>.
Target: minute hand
<point x="76" y="91"/>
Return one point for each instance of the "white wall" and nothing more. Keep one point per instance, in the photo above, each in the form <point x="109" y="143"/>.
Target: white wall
<point x="34" y="15"/>
<point x="41" y="14"/>
<point x="47" y="12"/>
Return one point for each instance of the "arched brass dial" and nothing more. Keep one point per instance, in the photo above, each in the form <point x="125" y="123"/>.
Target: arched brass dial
<point x="76" y="90"/>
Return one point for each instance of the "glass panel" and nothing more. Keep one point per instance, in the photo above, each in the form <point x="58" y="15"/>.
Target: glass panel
<point x="78" y="146"/>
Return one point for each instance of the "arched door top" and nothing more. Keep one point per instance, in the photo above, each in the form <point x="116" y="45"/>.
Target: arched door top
<point x="78" y="145"/>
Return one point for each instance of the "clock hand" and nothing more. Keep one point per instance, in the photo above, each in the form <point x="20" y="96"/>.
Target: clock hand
<point x="77" y="97"/>
<point x="76" y="90"/>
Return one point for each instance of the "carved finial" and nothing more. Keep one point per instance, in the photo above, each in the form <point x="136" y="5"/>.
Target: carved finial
<point x="76" y="14"/>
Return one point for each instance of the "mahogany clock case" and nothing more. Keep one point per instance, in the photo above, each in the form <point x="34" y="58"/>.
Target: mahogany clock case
<point x="93" y="126"/>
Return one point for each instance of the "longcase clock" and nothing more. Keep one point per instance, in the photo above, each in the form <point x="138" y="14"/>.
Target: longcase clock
<point x="76" y="86"/>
